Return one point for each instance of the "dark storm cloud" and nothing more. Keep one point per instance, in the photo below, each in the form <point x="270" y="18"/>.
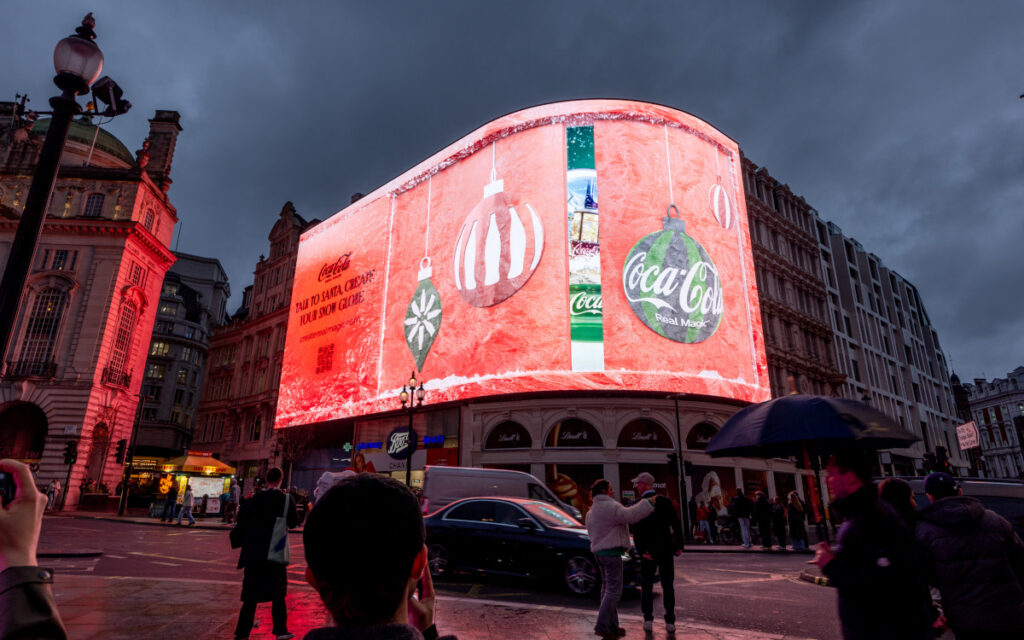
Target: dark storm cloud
<point x="899" y="121"/>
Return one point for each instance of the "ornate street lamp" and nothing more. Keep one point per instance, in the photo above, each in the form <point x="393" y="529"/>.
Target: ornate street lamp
<point x="78" y="62"/>
<point x="411" y="397"/>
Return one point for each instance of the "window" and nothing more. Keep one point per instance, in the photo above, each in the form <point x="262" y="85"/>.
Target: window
<point x="155" y="371"/>
<point x="147" y="221"/>
<point x="123" y="339"/>
<point x="151" y="391"/>
<point x="60" y="260"/>
<point x="160" y="349"/>
<point x="168" y="309"/>
<point x="182" y="376"/>
<point x="93" y="205"/>
<point x="190" y="332"/>
<point x="43" y="326"/>
<point x="179" y="396"/>
<point x="255" y="427"/>
<point x="476" y="511"/>
<point x="137" y="274"/>
<point x="170" y="289"/>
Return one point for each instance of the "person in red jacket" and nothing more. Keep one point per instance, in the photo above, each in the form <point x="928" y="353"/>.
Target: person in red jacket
<point x="703" y="521"/>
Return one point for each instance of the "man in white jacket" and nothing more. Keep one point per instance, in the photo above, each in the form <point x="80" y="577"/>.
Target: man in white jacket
<point x="608" y="525"/>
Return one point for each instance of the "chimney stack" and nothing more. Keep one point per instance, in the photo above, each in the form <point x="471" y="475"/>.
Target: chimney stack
<point x="163" y="135"/>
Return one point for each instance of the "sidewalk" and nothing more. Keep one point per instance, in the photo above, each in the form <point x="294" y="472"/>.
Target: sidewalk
<point x="213" y="523"/>
<point x="97" y="608"/>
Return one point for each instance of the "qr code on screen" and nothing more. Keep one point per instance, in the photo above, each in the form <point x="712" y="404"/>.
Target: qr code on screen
<point x="325" y="358"/>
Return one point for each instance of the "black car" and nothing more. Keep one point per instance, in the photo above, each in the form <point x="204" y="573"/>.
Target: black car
<point x="516" y="537"/>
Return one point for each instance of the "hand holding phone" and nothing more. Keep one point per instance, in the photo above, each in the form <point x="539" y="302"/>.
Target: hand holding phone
<point x="421" y="605"/>
<point x="21" y="517"/>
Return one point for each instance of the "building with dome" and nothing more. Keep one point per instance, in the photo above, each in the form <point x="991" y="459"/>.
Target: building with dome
<point x="77" y="354"/>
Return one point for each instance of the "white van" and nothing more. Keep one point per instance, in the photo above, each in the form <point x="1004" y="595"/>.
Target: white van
<point x="444" y="485"/>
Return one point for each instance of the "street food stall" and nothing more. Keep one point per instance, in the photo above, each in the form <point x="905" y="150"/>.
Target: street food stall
<point x="208" y="476"/>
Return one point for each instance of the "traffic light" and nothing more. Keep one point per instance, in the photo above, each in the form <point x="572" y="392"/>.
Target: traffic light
<point x="942" y="460"/>
<point x="673" y="463"/>
<point x="70" y="451"/>
<point x="122" y="444"/>
<point x="930" y="463"/>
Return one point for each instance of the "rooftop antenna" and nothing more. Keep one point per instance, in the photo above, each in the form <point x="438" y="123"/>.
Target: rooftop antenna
<point x="181" y="225"/>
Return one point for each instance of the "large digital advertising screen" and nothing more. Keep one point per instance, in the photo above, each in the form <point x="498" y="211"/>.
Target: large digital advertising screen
<point x="587" y="245"/>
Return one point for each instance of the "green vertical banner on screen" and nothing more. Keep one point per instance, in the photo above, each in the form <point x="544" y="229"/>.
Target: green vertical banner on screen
<point x="586" y="320"/>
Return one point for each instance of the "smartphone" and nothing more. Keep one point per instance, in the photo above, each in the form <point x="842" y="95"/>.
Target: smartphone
<point x="7" y="488"/>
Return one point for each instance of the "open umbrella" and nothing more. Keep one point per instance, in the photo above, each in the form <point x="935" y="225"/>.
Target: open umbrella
<point x="803" y="424"/>
<point x="807" y="426"/>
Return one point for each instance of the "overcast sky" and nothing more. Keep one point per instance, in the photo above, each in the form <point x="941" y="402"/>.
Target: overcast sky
<point x="898" y="121"/>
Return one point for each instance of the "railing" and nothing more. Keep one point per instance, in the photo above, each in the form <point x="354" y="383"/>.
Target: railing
<point x="116" y="377"/>
<point x="31" y="369"/>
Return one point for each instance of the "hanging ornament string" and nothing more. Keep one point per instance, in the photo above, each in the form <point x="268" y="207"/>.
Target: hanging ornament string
<point x="494" y="170"/>
<point x="426" y="236"/>
<point x="721" y="206"/>
<point x="668" y="165"/>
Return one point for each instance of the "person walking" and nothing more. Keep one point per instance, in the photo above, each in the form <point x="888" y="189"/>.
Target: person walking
<point x="691" y="508"/>
<point x="779" y="521"/>
<point x="658" y="539"/>
<point x="187" y="503"/>
<point x="975" y="559"/>
<point x="740" y="508"/>
<point x="231" y="508"/>
<point x="763" y="516"/>
<point x="873" y="568"/>
<point x="608" y="526"/>
<point x="702" y="521"/>
<point x="170" y="504"/>
<point x="52" y="494"/>
<point x="900" y="496"/>
<point x="263" y="580"/>
<point x="797" y="516"/>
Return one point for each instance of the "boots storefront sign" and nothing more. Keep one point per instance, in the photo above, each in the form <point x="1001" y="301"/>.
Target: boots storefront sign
<point x="490" y="270"/>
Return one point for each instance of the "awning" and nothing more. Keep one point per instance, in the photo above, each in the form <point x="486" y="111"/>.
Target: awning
<point x="192" y="463"/>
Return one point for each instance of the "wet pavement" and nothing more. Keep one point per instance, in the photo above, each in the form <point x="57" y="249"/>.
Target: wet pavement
<point x="96" y="608"/>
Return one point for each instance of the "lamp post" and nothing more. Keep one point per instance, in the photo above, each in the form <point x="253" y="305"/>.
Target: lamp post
<point x="680" y="467"/>
<point x="126" y="474"/>
<point x="78" y="62"/>
<point x="411" y="397"/>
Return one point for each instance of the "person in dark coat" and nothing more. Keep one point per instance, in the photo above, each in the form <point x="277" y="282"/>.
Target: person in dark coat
<point x="741" y="508"/>
<point x="874" y="568"/>
<point x="658" y="539"/>
<point x="384" y="591"/>
<point x="796" y="514"/>
<point x="170" y="504"/>
<point x="976" y="561"/>
<point x="900" y="496"/>
<point x="691" y="508"/>
<point x="263" y="580"/>
<point x="779" y="521"/>
<point x="763" y="517"/>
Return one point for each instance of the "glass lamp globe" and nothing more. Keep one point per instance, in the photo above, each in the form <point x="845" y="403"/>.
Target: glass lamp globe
<point x="79" y="57"/>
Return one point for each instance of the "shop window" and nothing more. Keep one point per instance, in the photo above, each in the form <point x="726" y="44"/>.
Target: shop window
<point x="700" y="436"/>
<point x="508" y="435"/>
<point x="573" y="433"/>
<point x="644" y="434"/>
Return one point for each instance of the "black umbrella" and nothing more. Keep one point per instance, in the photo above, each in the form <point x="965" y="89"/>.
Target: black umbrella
<point x="802" y="424"/>
<point x="807" y="426"/>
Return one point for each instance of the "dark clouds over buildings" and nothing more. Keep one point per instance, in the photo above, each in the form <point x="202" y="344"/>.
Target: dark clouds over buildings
<point x="899" y="121"/>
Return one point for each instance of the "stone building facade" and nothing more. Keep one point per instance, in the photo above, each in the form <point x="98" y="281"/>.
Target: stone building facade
<point x="798" y="336"/>
<point x="997" y="407"/>
<point x="888" y="348"/>
<point x="236" y="412"/>
<point x="77" y="354"/>
<point x="192" y="304"/>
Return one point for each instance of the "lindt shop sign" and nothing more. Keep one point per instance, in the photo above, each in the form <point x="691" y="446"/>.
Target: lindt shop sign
<point x="490" y="270"/>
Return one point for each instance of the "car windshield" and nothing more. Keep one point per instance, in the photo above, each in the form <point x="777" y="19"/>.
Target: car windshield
<point x="550" y="516"/>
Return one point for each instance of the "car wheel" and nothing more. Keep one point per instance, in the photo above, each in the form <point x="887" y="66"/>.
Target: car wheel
<point x="581" y="576"/>
<point x="437" y="560"/>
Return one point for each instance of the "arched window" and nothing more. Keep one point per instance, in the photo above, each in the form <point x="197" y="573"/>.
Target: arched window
<point x="573" y="433"/>
<point x="123" y="339"/>
<point x="93" y="205"/>
<point x="508" y="435"/>
<point x="700" y="435"/>
<point x="43" y="326"/>
<point x="644" y="434"/>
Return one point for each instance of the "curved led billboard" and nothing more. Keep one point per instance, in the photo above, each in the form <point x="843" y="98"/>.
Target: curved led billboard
<point x="587" y="245"/>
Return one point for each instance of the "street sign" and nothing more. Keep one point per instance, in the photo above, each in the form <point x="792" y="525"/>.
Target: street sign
<point x="967" y="436"/>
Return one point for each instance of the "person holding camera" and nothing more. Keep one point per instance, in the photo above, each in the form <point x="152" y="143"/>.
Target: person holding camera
<point x="27" y="608"/>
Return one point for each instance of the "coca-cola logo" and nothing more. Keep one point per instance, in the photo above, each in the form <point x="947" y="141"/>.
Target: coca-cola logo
<point x="583" y="303"/>
<point x="672" y="285"/>
<point x="679" y="291"/>
<point x="331" y="270"/>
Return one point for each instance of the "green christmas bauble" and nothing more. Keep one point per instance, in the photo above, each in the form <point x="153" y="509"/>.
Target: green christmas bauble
<point x="672" y="284"/>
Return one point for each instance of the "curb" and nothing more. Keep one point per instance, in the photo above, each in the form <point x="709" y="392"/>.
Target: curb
<point x="813" y="578"/>
<point x="153" y="522"/>
<point x="85" y="553"/>
<point x="739" y="549"/>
